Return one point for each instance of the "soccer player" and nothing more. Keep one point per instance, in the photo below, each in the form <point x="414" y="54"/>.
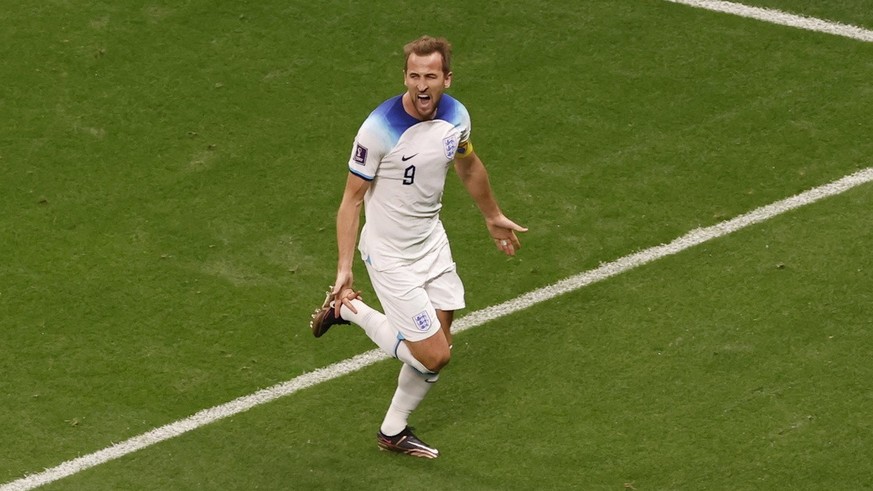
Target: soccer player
<point x="397" y="170"/>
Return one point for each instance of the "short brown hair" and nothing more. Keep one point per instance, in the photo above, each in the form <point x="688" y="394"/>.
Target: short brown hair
<point x="426" y="45"/>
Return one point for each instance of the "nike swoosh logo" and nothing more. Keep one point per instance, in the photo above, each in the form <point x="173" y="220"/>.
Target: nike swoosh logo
<point x="405" y="158"/>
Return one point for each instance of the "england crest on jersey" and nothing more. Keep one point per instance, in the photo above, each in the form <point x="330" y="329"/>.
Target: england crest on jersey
<point x="450" y="145"/>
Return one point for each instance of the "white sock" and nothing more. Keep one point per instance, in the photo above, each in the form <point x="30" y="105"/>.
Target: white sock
<point x="374" y="323"/>
<point x="412" y="386"/>
<point x="377" y="328"/>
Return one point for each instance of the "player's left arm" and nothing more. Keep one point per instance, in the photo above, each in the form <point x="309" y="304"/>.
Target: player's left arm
<point x="473" y="174"/>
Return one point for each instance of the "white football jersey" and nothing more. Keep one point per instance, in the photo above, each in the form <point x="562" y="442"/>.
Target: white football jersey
<point x="406" y="161"/>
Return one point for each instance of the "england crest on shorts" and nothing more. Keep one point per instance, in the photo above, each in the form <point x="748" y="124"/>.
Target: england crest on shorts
<point x="450" y="145"/>
<point x="422" y="321"/>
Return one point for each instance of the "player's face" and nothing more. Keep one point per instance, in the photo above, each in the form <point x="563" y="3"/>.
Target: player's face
<point x="425" y="83"/>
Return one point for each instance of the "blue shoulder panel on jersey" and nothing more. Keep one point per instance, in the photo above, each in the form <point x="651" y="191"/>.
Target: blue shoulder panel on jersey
<point x="450" y="110"/>
<point x="392" y="119"/>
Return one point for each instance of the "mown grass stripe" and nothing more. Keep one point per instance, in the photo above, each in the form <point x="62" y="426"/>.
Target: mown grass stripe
<point x="474" y="319"/>
<point x="782" y="18"/>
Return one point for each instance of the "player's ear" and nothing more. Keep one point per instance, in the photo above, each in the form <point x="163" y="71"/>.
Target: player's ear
<point x="448" y="81"/>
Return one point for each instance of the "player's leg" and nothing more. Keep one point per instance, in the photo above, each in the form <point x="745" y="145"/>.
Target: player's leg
<point x="413" y="384"/>
<point x="416" y="333"/>
<point x="414" y="381"/>
<point x="427" y="355"/>
<point x="375" y="325"/>
<point x="434" y="352"/>
<point x="446" y="317"/>
<point x="413" y="321"/>
<point x="378" y="328"/>
<point x="446" y="291"/>
<point x="394" y="433"/>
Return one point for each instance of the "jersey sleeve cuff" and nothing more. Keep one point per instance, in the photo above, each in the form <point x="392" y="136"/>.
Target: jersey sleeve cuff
<point x="362" y="176"/>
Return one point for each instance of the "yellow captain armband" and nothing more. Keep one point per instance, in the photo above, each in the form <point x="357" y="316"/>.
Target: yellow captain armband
<point x="464" y="149"/>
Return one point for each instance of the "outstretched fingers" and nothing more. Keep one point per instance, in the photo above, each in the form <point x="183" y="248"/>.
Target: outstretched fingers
<point x="508" y="245"/>
<point x="344" y="296"/>
<point x="503" y="232"/>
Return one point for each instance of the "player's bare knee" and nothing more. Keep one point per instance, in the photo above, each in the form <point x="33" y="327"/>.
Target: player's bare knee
<point x="433" y="353"/>
<point x="437" y="360"/>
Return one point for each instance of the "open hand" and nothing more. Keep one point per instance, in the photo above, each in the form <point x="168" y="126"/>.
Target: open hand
<point x="503" y="231"/>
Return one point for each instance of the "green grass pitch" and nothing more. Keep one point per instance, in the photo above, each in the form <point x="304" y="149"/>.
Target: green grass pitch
<point x="169" y="174"/>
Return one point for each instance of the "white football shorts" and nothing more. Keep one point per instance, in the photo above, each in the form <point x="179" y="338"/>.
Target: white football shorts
<point x="411" y="294"/>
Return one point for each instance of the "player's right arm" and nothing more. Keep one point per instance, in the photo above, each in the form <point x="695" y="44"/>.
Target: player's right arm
<point x="363" y="163"/>
<point x="348" y="219"/>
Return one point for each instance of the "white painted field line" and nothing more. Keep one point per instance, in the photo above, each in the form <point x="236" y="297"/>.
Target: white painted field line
<point x="691" y="239"/>
<point x="469" y="321"/>
<point x="782" y="18"/>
